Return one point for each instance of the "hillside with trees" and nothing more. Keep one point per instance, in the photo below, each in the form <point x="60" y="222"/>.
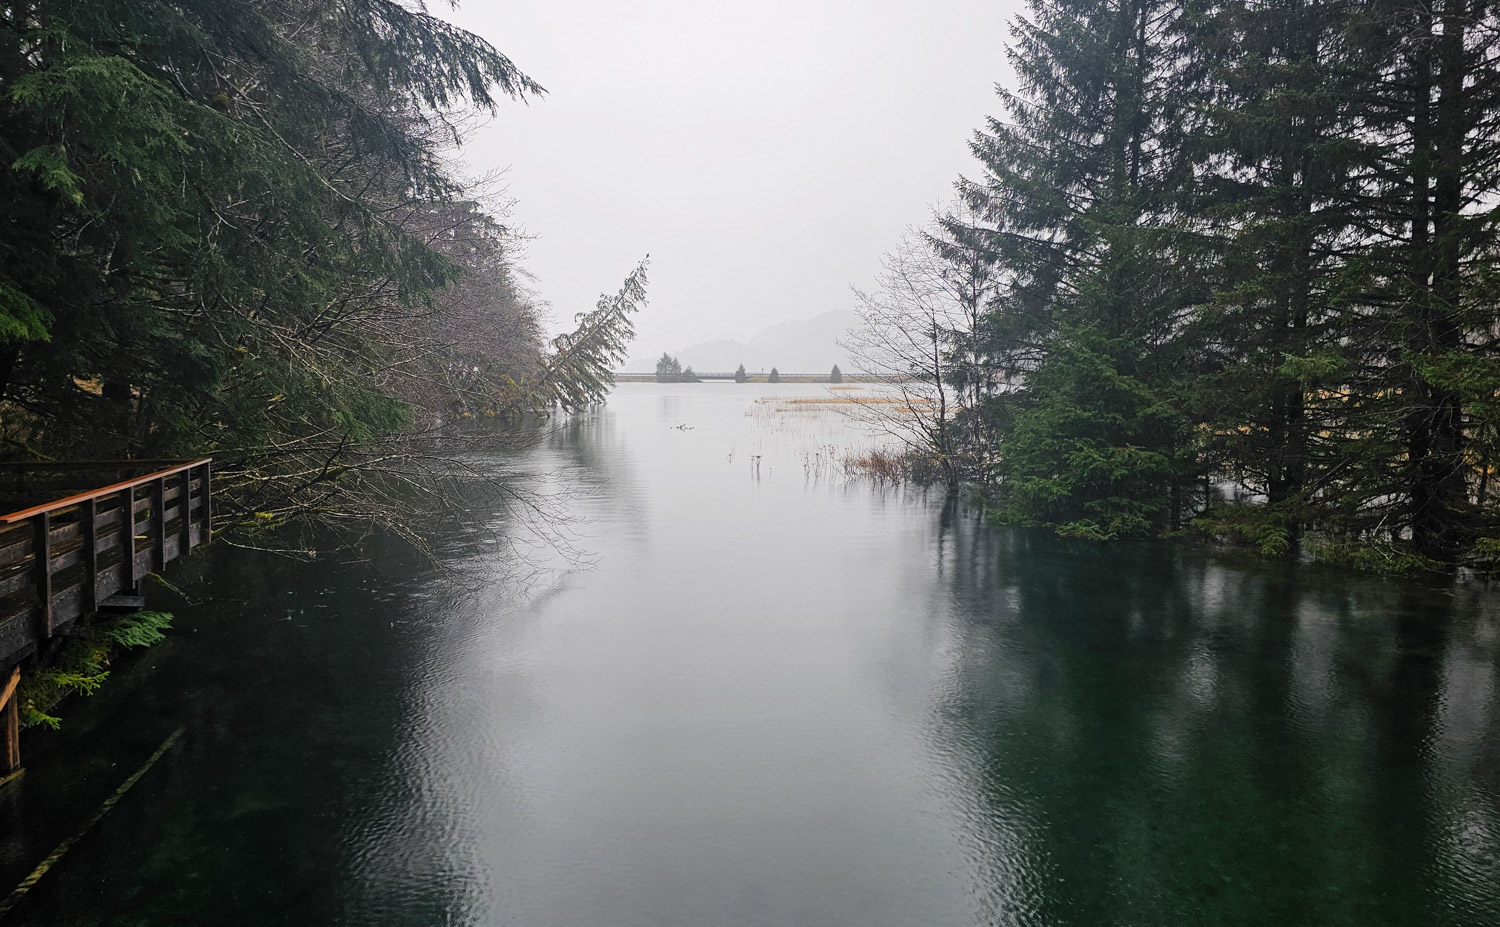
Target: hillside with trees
<point x="235" y="229"/>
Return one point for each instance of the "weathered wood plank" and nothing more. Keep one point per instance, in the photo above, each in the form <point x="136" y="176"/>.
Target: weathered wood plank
<point x="90" y="555"/>
<point x="10" y="733"/>
<point x="10" y="685"/>
<point x="158" y="525"/>
<point x="208" y="501"/>
<point x="42" y="558"/>
<point x="185" y="512"/>
<point x="15" y="545"/>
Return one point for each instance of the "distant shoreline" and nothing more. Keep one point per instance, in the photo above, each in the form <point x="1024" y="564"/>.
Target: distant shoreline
<point x="760" y="378"/>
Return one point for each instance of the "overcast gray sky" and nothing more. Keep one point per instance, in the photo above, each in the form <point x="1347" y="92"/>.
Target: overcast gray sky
<point x="765" y="153"/>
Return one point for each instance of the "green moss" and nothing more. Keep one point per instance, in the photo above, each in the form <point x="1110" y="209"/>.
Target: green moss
<point x="1484" y="556"/>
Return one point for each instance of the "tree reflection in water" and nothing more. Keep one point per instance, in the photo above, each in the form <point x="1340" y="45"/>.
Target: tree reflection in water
<point x="1150" y="736"/>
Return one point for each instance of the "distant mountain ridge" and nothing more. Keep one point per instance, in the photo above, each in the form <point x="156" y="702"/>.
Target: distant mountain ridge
<point x="808" y="346"/>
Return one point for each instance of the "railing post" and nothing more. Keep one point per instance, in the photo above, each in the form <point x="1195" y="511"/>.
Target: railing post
<point x="88" y="515"/>
<point x="129" y="527"/>
<point x="158" y="524"/>
<point x="208" y="502"/>
<point x="10" y="723"/>
<point x="41" y="547"/>
<point x="185" y="513"/>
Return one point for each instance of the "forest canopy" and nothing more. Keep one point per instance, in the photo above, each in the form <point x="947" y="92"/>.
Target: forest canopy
<point x="1224" y="265"/>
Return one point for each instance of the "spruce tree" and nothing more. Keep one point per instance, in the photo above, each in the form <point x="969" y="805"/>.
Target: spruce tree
<point x="1273" y="138"/>
<point x="1431" y="222"/>
<point x="668" y="369"/>
<point x="1077" y="183"/>
<point x="234" y="231"/>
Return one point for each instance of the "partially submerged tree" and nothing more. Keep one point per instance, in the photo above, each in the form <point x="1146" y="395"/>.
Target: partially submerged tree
<point x="1078" y="186"/>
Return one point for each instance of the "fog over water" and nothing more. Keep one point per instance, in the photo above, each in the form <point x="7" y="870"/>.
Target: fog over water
<point x="765" y="154"/>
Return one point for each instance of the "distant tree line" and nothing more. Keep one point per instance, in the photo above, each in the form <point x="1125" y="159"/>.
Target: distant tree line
<point x="670" y="370"/>
<point x="1224" y="265"/>
<point x="233" y="228"/>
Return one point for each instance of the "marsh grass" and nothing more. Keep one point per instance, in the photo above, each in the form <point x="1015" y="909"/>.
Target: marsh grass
<point x="888" y="456"/>
<point x="893" y="465"/>
<point x="823" y="434"/>
<point x="882" y="466"/>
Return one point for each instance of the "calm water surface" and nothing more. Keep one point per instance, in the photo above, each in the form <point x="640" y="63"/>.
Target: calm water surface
<point x="744" y="691"/>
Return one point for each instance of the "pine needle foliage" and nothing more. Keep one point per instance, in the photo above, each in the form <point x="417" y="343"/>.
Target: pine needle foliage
<point x="81" y="667"/>
<point x="139" y="629"/>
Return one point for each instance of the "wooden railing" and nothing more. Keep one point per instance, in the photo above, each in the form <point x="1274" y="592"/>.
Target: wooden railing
<point x="65" y="558"/>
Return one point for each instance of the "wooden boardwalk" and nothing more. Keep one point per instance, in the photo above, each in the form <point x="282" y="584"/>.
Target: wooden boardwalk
<point x="87" y="535"/>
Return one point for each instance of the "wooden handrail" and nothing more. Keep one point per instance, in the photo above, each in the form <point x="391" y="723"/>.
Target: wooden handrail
<point x="89" y="464"/>
<point x="121" y="486"/>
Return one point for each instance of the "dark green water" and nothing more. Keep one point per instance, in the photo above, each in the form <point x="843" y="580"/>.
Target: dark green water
<point x="756" y="694"/>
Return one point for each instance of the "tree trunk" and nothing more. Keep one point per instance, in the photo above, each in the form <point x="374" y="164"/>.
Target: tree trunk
<point x="1437" y="480"/>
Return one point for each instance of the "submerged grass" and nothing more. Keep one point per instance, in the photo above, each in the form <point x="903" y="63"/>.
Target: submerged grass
<point x="815" y="430"/>
<point x="894" y="465"/>
<point x="878" y="465"/>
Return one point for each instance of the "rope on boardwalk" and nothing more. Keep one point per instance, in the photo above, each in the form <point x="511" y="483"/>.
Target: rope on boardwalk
<point x="36" y="874"/>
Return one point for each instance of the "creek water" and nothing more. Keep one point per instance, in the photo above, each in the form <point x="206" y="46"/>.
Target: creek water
<point x="737" y="688"/>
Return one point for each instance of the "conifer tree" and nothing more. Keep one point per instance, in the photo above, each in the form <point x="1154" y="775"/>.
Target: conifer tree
<point x="1431" y="108"/>
<point x="234" y="231"/>
<point x="668" y="369"/>
<point x="1273" y="135"/>
<point x="1077" y="182"/>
